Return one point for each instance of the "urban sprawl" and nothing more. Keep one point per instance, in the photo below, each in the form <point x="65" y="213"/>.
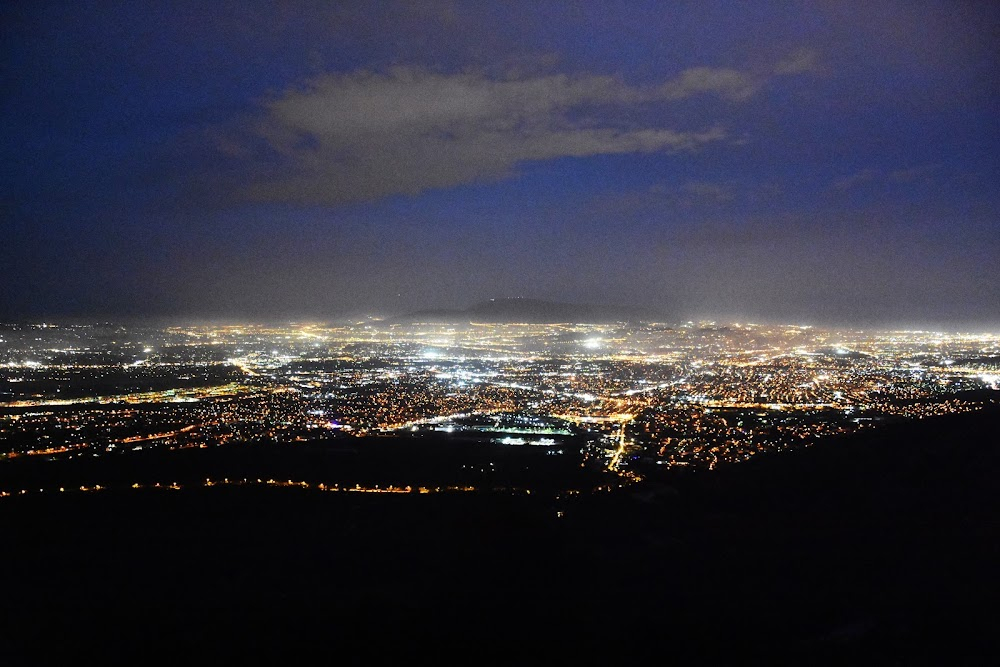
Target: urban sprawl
<point x="694" y="395"/>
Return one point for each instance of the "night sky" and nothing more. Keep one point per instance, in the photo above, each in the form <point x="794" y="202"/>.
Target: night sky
<point x="824" y="163"/>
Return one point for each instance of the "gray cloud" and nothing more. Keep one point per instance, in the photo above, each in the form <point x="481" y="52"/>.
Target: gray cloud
<point x="923" y="173"/>
<point x="701" y="195"/>
<point x="360" y="136"/>
<point x="365" y="135"/>
<point x="853" y="180"/>
<point x="802" y="60"/>
<point x="728" y="83"/>
<point x="715" y="192"/>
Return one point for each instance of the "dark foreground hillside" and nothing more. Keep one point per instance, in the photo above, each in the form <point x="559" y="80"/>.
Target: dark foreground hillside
<point x="880" y="548"/>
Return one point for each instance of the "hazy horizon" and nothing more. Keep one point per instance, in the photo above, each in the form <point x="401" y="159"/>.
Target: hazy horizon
<point x="720" y="319"/>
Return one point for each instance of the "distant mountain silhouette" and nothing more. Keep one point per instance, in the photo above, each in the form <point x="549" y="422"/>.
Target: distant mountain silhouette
<point x="535" y="311"/>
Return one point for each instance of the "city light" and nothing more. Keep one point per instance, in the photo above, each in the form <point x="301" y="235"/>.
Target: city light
<point x="699" y="395"/>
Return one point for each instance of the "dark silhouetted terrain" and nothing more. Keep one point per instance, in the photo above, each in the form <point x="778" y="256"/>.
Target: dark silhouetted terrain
<point x="534" y="311"/>
<point x="879" y="548"/>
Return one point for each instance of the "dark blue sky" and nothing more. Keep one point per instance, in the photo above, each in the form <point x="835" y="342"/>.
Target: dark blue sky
<point x="808" y="162"/>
